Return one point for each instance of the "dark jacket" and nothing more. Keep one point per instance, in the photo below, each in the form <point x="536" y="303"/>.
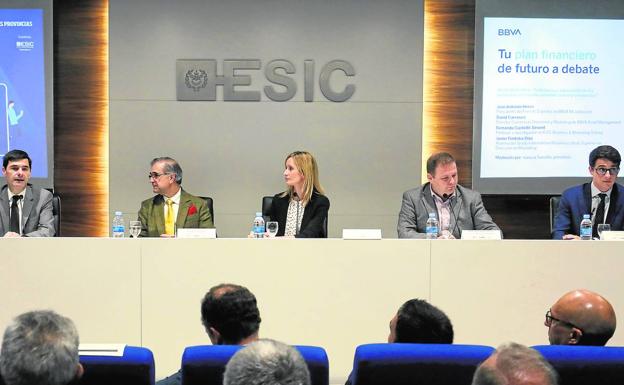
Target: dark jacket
<point x="314" y="215"/>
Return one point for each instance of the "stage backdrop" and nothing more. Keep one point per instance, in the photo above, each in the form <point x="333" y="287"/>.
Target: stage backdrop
<point x="368" y="147"/>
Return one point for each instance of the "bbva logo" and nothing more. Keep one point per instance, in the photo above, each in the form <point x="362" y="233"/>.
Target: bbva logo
<point x="509" y="32"/>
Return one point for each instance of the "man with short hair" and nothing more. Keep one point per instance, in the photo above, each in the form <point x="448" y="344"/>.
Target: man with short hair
<point x="603" y="199"/>
<point x="580" y="317"/>
<point x="456" y="207"/>
<point x="25" y="211"/>
<point x="417" y="321"/>
<point x="172" y="207"/>
<point x="40" y="347"/>
<point x="267" y="362"/>
<point x="515" y="364"/>
<point x="230" y="316"/>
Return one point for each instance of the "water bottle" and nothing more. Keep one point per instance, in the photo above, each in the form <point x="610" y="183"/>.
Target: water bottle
<point x="119" y="228"/>
<point x="586" y="227"/>
<point x="432" y="227"/>
<point x="258" y="226"/>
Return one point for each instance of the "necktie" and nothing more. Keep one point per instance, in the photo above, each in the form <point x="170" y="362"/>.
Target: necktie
<point x="169" y="222"/>
<point x="600" y="211"/>
<point x="15" y="222"/>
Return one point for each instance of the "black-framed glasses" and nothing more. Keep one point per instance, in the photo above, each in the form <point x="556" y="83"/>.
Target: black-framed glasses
<point x="603" y="170"/>
<point x="155" y="175"/>
<point x="550" y="319"/>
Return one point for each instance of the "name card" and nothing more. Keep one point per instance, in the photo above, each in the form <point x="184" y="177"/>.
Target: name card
<point x="361" y="233"/>
<point x="481" y="234"/>
<point x="612" y="236"/>
<point x="197" y="233"/>
<point x="109" y="350"/>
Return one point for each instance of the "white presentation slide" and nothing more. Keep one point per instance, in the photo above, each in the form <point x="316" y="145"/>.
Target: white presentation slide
<point x="553" y="90"/>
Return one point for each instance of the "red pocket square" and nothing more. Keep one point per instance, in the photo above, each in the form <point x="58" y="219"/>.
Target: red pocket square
<point x="192" y="210"/>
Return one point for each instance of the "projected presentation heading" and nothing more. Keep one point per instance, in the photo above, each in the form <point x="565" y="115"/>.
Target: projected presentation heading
<point x="23" y="121"/>
<point x="551" y="93"/>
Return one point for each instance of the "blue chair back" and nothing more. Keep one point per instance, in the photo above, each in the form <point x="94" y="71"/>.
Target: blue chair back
<point x="416" y="364"/>
<point x="135" y="367"/>
<point x="585" y="365"/>
<point x="205" y="365"/>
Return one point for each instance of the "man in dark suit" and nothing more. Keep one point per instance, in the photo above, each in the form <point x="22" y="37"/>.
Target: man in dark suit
<point x="418" y="322"/>
<point x="24" y="210"/>
<point x="457" y="208"/>
<point x="603" y="199"/>
<point x="230" y="316"/>
<point x="172" y="207"/>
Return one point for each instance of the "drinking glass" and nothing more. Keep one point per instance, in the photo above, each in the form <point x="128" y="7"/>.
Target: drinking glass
<point x="272" y="228"/>
<point x="603" y="227"/>
<point x="135" y="229"/>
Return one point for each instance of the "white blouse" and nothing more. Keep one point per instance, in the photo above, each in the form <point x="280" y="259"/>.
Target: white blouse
<point x="293" y="217"/>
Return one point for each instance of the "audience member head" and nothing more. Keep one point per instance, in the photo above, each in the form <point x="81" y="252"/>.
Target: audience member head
<point x="267" y="362"/>
<point x="40" y="348"/>
<point x="301" y="172"/>
<point x="515" y="364"/>
<point x="580" y="317"/>
<point x="165" y="176"/>
<point x="417" y="321"/>
<point x="604" y="166"/>
<point x="16" y="168"/>
<point x="442" y="173"/>
<point x="230" y="315"/>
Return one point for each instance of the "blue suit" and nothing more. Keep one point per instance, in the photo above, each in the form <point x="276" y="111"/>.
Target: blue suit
<point x="577" y="201"/>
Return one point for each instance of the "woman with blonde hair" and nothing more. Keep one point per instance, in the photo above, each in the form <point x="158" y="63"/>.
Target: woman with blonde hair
<point x="301" y="210"/>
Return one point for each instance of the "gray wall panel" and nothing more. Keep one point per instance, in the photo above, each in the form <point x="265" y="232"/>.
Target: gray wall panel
<point x="368" y="148"/>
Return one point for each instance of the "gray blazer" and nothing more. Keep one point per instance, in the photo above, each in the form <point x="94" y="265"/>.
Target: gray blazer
<point x="37" y="217"/>
<point x="468" y="212"/>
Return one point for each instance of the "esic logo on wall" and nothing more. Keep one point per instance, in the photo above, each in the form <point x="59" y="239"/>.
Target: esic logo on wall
<point x="198" y="80"/>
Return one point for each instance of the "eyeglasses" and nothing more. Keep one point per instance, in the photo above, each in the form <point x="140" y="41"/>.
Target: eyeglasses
<point x="550" y="319"/>
<point x="155" y="175"/>
<point x="603" y="170"/>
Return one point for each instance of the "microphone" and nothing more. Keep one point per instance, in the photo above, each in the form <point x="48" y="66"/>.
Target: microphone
<point x="445" y="197"/>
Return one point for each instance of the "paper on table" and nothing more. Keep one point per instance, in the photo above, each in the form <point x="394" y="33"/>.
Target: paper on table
<point x="481" y="234"/>
<point x="111" y="350"/>
<point x="361" y="233"/>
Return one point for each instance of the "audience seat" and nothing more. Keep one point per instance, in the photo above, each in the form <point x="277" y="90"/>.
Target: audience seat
<point x="204" y="365"/>
<point x="586" y="365"/>
<point x="135" y="367"/>
<point x="417" y="364"/>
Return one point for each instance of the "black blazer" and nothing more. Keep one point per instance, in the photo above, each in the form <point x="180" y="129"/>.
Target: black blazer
<point x="314" y="214"/>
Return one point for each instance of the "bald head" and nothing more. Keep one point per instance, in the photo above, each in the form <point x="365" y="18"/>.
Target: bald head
<point x="515" y="364"/>
<point x="581" y="317"/>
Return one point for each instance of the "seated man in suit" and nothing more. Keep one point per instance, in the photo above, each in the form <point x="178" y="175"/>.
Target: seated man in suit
<point x="457" y="208"/>
<point x="580" y="317"/>
<point x="24" y="210"/>
<point x="419" y="322"/>
<point x="602" y="198"/>
<point x="40" y="347"/>
<point x="515" y="364"/>
<point x="267" y="362"/>
<point x="230" y="316"/>
<point x="173" y="207"/>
